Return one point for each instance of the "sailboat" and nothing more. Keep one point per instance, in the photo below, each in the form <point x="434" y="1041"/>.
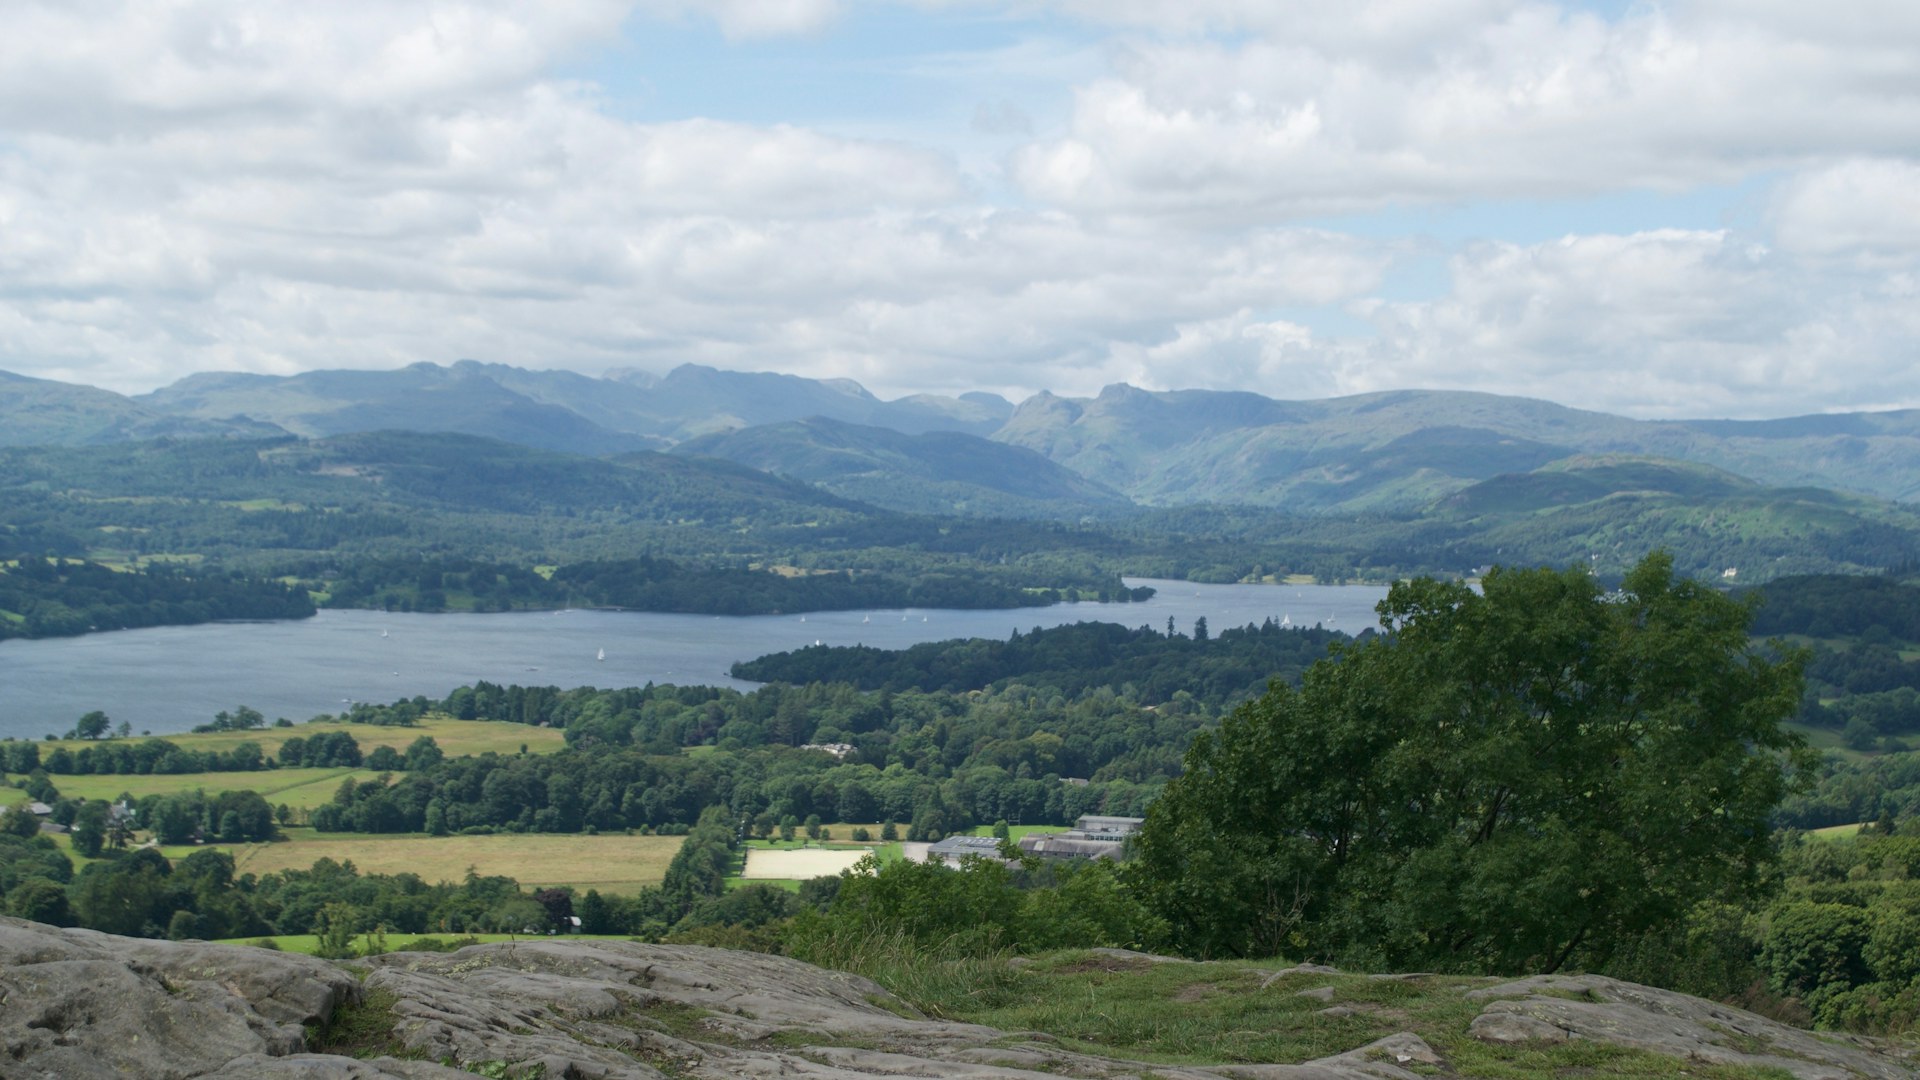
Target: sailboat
<point x="1286" y="620"/>
<point x="383" y="633"/>
<point x="866" y="618"/>
<point x="602" y="656"/>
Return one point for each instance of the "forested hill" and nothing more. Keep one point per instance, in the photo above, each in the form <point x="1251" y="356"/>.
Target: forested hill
<point x="1145" y="664"/>
<point x="58" y="598"/>
<point x="937" y="472"/>
<point x="1840" y="605"/>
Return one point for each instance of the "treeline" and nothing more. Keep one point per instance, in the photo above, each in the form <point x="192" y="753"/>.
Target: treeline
<point x="612" y="790"/>
<point x="141" y="893"/>
<point x="144" y="757"/>
<point x="1148" y="665"/>
<point x="1839" y="605"/>
<point x="1882" y="788"/>
<point x="657" y="584"/>
<point x="1838" y="943"/>
<point x="61" y="597"/>
<point x="830" y="920"/>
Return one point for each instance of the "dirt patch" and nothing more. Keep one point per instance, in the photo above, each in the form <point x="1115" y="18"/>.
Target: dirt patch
<point x="764" y="864"/>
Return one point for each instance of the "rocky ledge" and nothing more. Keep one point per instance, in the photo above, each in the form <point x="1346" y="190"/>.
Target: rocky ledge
<point x="80" y="1004"/>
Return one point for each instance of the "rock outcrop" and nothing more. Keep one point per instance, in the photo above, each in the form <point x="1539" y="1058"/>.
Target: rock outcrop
<point x="1556" y="1008"/>
<point x="80" y="1004"/>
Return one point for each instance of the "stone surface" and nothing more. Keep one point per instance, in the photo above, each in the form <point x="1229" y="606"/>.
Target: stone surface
<point x="77" y="1004"/>
<point x="1559" y="1007"/>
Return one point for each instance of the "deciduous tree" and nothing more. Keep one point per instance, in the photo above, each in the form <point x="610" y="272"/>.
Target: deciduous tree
<point x="1509" y="780"/>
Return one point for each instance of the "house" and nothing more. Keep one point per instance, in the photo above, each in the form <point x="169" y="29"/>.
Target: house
<point x="1069" y="846"/>
<point x="955" y="848"/>
<point x="1104" y="827"/>
<point x="839" y="750"/>
<point x="1093" y="836"/>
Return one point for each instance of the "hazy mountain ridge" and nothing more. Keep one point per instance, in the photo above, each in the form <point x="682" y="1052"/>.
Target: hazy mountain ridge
<point x="933" y="472"/>
<point x="1397" y="452"/>
<point x="556" y="409"/>
<point x="36" y="412"/>
<point x="1401" y="450"/>
<point x="1609" y="507"/>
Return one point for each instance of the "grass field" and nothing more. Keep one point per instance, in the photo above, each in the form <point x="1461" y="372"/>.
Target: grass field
<point x="1016" y="832"/>
<point x="300" y="788"/>
<point x="613" y="864"/>
<point x="456" y="738"/>
<point x="1836" y="832"/>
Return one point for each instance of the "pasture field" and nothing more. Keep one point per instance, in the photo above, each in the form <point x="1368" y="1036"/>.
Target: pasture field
<point x="302" y="789"/>
<point x="1016" y="832"/>
<point x="615" y="864"/>
<point x="299" y="788"/>
<point x="1836" y="832"/>
<point x="456" y="738"/>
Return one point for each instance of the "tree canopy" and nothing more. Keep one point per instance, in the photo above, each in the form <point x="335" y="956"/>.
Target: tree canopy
<point x="1509" y="780"/>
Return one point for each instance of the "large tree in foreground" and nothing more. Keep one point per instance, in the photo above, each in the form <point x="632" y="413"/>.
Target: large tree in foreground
<point x="1513" y="780"/>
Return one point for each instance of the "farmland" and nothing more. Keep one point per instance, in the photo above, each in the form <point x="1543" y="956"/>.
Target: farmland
<point x="302" y="789"/>
<point x="612" y="864"/>
<point x="456" y="738"/>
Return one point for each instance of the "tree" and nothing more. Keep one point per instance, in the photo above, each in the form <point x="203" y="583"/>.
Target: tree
<point x="41" y="901"/>
<point x="19" y="821"/>
<point x="90" y="829"/>
<point x="1509" y="780"/>
<point x="559" y="907"/>
<point x="336" y="931"/>
<point x="92" y="726"/>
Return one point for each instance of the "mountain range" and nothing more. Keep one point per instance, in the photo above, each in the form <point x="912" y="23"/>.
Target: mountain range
<point x="1396" y="453"/>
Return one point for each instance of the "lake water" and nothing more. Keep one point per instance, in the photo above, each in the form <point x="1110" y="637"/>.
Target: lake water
<point x="167" y="679"/>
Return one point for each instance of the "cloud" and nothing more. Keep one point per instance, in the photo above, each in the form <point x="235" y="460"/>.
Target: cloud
<point x="275" y="187"/>
<point x="741" y="19"/>
<point x="1662" y="323"/>
<point x="1867" y="208"/>
<point x="1318" y="110"/>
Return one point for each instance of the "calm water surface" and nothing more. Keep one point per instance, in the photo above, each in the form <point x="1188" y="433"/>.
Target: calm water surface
<point x="167" y="679"/>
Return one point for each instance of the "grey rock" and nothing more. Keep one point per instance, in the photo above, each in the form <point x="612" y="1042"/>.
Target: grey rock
<point x="1627" y="1014"/>
<point x="1501" y="1026"/>
<point x="75" y="1003"/>
<point x="80" y="1005"/>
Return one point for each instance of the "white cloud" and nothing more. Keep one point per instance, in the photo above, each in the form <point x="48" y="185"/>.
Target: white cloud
<point x="210" y="184"/>
<point x="754" y="18"/>
<point x="1664" y="323"/>
<point x="1860" y="207"/>
<point x="1344" y="108"/>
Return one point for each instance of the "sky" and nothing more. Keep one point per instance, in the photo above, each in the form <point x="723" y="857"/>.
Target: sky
<point x="1682" y="209"/>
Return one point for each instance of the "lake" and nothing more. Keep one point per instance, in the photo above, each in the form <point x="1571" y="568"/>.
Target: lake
<point x="168" y="679"/>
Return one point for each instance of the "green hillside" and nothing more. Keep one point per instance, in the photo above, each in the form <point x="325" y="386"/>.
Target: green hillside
<point x="35" y="412"/>
<point x="937" y="472"/>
